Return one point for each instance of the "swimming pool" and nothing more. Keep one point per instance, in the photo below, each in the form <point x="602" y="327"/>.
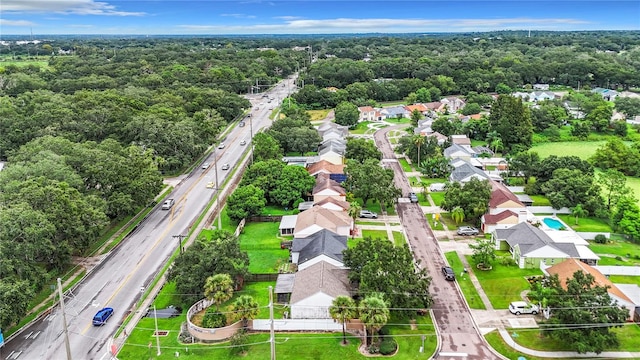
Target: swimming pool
<point x="553" y="223"/>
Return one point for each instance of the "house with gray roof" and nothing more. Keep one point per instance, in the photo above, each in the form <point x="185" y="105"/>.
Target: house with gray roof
<point x="395" y="112"/>
<point x="315" y="288"/>
<point x="338" y="144"/>
<point x="456" y="151"/>
<point x="323" y="245"/>
<point x="333" y="134"/>
<point x="328" y="125"/>
<point x="531" y="247"/>
<point x="463" y="172"/>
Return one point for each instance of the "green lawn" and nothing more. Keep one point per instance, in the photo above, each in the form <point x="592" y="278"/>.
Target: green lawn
<point x="361" y="128"/>
<point x="495" y="340"/>
<point x="437" y="197"/>
<point x="581" y="149"/>
<point x="398" y="238"/>
<point x="540" y="200"/>
<point x="468" y="290"/>
<point x="621" y="279"/>
<point x="585" y="224"/>
<point x="617" y="248"/>
<point x="628" y="336"/>
<point x="320" y="346"/>
<point x="503" y="284"/>
<point x="381" y="234"/>
<point x="277" y="210"/>
<point x="260" y="240"/>
<point x="405" y="165"/>
<point x="396" y="121"/>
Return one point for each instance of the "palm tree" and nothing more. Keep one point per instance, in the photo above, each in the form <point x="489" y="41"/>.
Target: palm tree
<point x="343" y="309"/>
<point x="218" y="289"/>
<point x="496" y="144"/>
<point x="457" y="214"/>
<point x="419" y="140"/>
<point x="374" y="313"/>
<point x="578" y="211"/>
<point x="354" y="212"/>
<point x="246" y="308"/>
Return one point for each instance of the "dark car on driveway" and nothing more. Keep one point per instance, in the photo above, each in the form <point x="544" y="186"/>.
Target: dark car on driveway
<point x="413" y="197"/>
<point x="448" y="273"/>
<point x="468" y="231"/>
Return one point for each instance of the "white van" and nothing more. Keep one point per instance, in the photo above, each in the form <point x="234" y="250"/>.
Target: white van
<point x="168" y="204"/>
<point x="437" y="187"/>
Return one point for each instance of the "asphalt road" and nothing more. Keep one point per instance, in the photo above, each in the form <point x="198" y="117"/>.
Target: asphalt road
<point x="121" y="278"/>
<point x="459" y="338"/>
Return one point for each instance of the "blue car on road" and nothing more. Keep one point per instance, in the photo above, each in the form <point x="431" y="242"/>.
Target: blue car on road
<point x="102" y="316"/>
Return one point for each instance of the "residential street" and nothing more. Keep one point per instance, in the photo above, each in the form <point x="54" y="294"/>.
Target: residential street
<point x="459" y="336"/>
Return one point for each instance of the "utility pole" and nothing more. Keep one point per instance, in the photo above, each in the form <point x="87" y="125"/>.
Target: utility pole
<point x="180" y="238"/>
<point x="251" y="136"/>
<point x="273" y="336"/>
<point x="155" y="318"/>
<point x="64" y="321"/>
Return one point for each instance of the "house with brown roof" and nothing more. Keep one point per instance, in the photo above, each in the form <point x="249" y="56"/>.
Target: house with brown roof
<point x="326" y="187"/>
<point x="567" y="268"/>
<point x="315" y="288"/>
<point x="440" y="139"/>
<point x="332" y="203"/>
<point x="435" y="106"/>
<point x="505" y="209"/>
<point x="325" y="167"/>
<point x="460" y="140"/>
<point x="420" y="107"/>
<point x="317" y="218"/>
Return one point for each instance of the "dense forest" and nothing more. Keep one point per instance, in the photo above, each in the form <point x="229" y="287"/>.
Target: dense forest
<point x="89" y="125"/>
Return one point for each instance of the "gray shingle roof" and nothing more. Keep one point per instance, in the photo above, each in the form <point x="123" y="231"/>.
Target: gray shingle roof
<point x="530" y="238"/>
<point x="320" y="277"/>
<point x="465" y="170"/>
<point x="453" y="149"/>
<point x="324" y="242"/>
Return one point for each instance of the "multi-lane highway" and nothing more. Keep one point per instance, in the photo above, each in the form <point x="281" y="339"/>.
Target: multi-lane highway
<point x="124" y="274"/>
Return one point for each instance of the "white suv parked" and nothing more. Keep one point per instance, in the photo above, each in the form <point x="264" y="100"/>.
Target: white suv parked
<point x="522" y="307"/>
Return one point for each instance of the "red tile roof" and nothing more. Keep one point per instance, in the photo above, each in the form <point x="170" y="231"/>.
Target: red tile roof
<point x="340" y="203"/>
<point x="419" y="107"/>
<point x="366" y="109"/>
<point x="500" y="195"/>
<point x="495" y="218"/>
<point x="323" y="182"/>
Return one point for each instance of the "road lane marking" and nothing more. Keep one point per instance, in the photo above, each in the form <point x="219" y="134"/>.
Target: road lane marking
<point x="28" y="335"/>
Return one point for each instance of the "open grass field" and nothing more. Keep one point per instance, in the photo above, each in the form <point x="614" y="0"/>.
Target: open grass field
<point x="317" y="115"/>
<point x="503" y="284"/>
<point x="581" y="149"/>
<point x="468" y="290"/>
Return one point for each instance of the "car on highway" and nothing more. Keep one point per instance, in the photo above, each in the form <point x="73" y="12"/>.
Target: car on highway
<point x="205" y="166"/>
<point x="368" y="214"/>
<point x="468" y="231"/>
<point x="225" y="167"/>
<point x="241" y="124"/>
<point x="211" y="185"/>
<point x="413" y="197"/>
<point x="243" y="143"/>
<point x="102" y="316"/>
<point x="221" y="146"/>
<point x="522" y="307"/>
<point x="168" y="204"/>
<point x="448" y="273"/>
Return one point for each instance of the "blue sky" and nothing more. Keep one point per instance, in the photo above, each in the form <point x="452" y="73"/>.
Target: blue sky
<point x="204" y="17"/>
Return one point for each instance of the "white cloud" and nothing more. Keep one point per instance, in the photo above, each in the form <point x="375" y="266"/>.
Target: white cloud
<point x="77" y="7"/>
<point x="348" y="25"/>
<point x="239" y="16"/>
<point x="5" y="22"/>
